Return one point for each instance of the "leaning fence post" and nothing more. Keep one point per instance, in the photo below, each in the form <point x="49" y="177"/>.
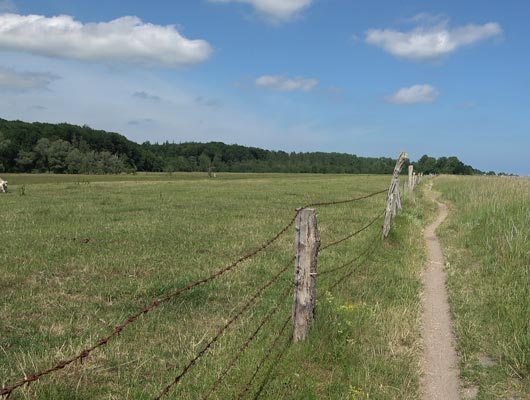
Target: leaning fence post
<point x="307" y="244"/>
<point x="393" y="202"/>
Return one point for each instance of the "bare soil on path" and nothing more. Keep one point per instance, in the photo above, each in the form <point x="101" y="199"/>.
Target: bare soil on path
<point x="440" y="377"/>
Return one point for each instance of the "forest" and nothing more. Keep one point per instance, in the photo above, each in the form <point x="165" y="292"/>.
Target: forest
<point x="65" y="148"/>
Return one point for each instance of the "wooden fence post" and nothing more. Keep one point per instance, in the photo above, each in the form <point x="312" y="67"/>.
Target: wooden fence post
<point x="393" y="202"/>
<point x="411" y="177"/>
<point x="307" y="244"/>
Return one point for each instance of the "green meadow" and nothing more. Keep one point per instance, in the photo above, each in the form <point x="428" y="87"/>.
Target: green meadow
<point x="487" y="244"/>
<point x="79" y="254"/>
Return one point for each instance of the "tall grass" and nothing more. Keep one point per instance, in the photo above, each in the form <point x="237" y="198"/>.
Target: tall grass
<point x="79" y="254"/>
<point x="487" y="240"/>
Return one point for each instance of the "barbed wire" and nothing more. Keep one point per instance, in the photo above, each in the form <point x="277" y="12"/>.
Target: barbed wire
<point x="6" y="391"/>
<point x="246" y="344"/>
<point x="373" y="221"/>
<point x="221" y="331"/>
<point x="350" y="262"/>
<point x="264" y="359"/>
<point x="272" y="365"/>
<point x="333" y="203"/>
<point x="344" y="277"/>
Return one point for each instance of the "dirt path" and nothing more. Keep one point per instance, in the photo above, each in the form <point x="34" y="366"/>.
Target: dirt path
<point x="440" y="379"/>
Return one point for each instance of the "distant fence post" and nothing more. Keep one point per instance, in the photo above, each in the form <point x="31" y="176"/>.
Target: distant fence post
<point x="393" y="202"/>
<point x="411" y="177"/>
<point x="307" y="244"/>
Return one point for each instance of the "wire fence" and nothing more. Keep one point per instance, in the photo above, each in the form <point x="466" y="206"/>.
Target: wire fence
<point x="246" y="344"/>
<point x="221" y="331"/>
<point x="351" y="235"/>
<point x="252" y="300"/>
<point x="264" y="359"/>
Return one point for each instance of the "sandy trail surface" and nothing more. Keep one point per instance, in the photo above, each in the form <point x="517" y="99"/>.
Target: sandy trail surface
<point x="440" y="378"/>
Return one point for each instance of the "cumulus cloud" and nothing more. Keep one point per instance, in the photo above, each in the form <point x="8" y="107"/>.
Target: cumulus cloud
<point x="124" y="40"/>
<point x="414" y="95"/>
<point x="281" y="83"/>
<point x="432" y="39"/>
<point x="147" y="96"/>
<point x="15" y="80"/>
<point x="275" y="10"/>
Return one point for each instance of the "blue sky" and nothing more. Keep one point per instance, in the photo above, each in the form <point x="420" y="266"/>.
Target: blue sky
<point x="370" y="78"/>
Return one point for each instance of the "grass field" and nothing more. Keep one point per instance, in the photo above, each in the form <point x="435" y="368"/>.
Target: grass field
<point x="81" y="253"/>
<point x="487" y="245"/>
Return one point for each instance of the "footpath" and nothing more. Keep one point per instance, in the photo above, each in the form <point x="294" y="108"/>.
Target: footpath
<point x="440" y="378"/>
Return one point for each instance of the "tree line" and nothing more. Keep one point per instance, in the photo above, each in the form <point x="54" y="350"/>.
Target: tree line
<point x="66" y="148"/>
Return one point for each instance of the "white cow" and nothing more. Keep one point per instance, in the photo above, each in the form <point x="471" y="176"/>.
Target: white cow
<point x="3" y="186"/>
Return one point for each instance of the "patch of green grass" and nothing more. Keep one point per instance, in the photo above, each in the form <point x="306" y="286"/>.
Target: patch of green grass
<point x="487" y="245"/>
<point x="78" y="258"/>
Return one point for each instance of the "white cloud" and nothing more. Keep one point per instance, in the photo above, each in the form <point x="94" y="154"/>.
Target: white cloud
<point x="275" y="10"/>
<point x="281" y="83"/>
<point x="7" y="5"/>
<point x="14" y="80"/>
<point x="414" y="95"/>
<point x="124" y="40"/>
<point x="430" y="41"/>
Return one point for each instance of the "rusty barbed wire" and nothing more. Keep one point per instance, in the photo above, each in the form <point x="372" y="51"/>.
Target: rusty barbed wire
<point x="373" y="221"/>
<point x="221" y="331"/>
<point x="264" y="359"/>
<point x="247" y="342"/>
<point x="332" y="203"/>
<point x="272" y="365"/>
<point x="6" y="391"/>
<point x="350" y="262"/>
<point x="343" y="277"/>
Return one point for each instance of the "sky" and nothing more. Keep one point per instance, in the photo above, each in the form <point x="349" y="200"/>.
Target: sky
<point x="373" y="78"/>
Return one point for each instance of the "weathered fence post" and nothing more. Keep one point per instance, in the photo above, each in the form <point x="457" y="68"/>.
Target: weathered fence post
<point x="307" y="244"/>
<point x="411" y="177"/>
<point x="393" y="202"/>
